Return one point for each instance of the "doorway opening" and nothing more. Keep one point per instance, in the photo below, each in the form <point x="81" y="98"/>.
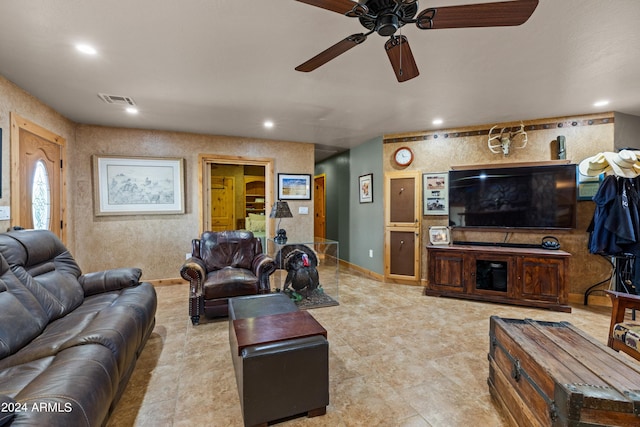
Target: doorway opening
<point x="236" y="194"/>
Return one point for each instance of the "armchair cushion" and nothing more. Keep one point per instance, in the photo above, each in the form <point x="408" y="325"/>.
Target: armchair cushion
<point x="222" y="249"/>
<point x="628" y="333"/>
<point x="230" y="281"/>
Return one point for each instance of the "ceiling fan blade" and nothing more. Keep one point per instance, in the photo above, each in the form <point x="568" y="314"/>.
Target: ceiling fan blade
<point x="498" y="14"/>
<point x="327" y="55"/>
<point x="401" y="58"/>
<point x="340" y="6"/>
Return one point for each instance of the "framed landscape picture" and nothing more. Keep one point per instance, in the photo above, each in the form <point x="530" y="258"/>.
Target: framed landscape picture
<point x="294" y="186"/>
<point x="138" y="185"/>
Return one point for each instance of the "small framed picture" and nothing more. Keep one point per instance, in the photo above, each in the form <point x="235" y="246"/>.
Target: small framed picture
<point x="439" y="235"/>
<point x="365" y="188"/>
<point x="435" y="197"/>
<point x="294" y="186"/>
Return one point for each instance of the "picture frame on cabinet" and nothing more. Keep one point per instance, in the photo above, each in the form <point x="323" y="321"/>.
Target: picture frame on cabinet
<point x="435" y="190"/>
<point x="439" y="235"/>
<point x="294" y="186"/>
<point x="138" y="185"/>
<point x="365" y="188"/>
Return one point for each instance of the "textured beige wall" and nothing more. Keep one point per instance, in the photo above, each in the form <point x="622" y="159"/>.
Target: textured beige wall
<point x="158" y="243"/>
<point x="15" y="100"/>
<point x="440" y="154"/>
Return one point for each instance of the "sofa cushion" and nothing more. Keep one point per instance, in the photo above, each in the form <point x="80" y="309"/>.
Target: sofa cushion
<point x="22" y="316"/>
<point x="8" y="409"/>
<point x="256" y="223"/>
<point x="120" y="321"/>
<point x="42" y="264"/>
<point x="78" y="383"/>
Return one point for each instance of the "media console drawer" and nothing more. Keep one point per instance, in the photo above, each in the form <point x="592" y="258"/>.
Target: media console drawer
<point x="520" y="276"/>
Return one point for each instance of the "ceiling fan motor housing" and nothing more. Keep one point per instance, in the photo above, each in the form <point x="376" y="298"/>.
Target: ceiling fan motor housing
<point x="386" y="16"/>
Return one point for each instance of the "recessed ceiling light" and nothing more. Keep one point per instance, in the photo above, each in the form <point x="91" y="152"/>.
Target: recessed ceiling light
<point x="132" y="110"/>
<point x="85" y="48"/>
<point x="268" y="124"/>
<point x="601" y="103"/>
<point x="437" y="121"/>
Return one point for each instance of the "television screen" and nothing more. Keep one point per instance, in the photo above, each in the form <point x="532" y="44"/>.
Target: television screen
<point x="514" y="197"/>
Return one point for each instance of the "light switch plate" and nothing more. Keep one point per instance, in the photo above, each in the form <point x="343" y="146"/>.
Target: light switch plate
<point x="303" y="210"/>
<point x="5" y="212"/>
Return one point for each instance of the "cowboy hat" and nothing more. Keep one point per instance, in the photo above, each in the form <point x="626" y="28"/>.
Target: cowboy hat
<point x="594" y="165"/>
<point x="623" y="163"/>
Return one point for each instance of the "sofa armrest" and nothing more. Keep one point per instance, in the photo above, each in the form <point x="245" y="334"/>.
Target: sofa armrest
<point x="109" y="280"/>
<point x="263" y="266"/>
<point x="194" y="271"/>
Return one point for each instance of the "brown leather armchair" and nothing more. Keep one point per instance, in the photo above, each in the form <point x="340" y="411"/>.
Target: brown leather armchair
<point x="223" y="265"/>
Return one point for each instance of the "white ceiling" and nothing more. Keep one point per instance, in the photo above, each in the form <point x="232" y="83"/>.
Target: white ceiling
<point x="224" y="66"/>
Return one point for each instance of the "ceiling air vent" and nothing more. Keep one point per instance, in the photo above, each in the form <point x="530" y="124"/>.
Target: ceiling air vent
<point x="117" y="99"/>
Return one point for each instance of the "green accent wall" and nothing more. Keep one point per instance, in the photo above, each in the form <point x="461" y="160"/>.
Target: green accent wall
<point x="358" y="227"/>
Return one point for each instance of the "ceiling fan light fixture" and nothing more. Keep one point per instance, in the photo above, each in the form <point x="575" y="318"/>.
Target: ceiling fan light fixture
<point x="388" y="24"/>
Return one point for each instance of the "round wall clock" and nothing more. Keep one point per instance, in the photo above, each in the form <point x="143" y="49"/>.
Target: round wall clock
<point x="403" y="156"/>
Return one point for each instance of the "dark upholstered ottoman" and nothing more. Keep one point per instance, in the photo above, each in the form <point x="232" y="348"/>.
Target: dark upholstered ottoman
<point x="281" y="359"/>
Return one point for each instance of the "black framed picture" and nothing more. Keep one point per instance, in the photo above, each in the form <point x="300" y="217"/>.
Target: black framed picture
<point x="365" y="188"/>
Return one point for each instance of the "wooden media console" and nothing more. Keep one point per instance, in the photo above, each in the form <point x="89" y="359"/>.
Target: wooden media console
<point x="512" y="275"/>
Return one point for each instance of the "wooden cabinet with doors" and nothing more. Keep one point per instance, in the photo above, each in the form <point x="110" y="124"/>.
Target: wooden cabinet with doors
<point x="519" y="276"/>
<point x="402" y="226"/>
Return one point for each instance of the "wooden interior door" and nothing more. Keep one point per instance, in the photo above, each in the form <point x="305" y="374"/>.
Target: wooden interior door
<point x="37" y="181"/>
<point x="222" y="203"/>
<point x="319" y="207"/>
<point x="402" y="226"/>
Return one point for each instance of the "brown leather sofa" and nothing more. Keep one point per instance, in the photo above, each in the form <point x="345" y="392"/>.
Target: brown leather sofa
<point x="68" y="341"/>
<point x="224" y="264"/>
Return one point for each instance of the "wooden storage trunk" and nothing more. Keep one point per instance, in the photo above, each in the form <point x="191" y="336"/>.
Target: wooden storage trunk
<point x="553" y="374"/>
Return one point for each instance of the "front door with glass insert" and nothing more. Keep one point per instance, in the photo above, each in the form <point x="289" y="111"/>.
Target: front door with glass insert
<point x="39" y="179"/>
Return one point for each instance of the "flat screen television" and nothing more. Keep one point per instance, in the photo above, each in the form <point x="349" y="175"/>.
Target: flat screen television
<point x="528" y="197"/>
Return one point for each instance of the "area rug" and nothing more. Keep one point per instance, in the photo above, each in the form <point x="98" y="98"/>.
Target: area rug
<point x="315" y="299"/>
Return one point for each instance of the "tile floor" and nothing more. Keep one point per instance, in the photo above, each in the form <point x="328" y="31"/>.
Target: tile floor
<point x="397" y="358"/>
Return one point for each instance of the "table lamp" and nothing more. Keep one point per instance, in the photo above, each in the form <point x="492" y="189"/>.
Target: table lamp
<point x="280" y="210"/>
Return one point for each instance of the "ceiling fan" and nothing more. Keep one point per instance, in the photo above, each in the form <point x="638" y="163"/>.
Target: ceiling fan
<point x="385" y="17"/>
